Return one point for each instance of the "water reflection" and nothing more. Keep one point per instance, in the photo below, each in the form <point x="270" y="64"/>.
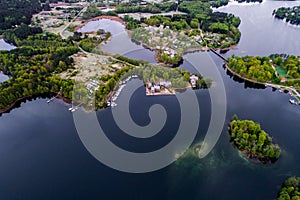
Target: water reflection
<point x="120" y="42"/>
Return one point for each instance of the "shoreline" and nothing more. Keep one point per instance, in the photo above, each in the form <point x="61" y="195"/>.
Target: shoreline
<point x="188" y="50"/>
<point x="114" y="18"/>
<point x="146" y="46"/>
<point x="251" y="156"/>
<point x="11" y="106"/>
<point x="242" y="77"/>
<point x="257" y="159"/>
<point x="289" y="88"/>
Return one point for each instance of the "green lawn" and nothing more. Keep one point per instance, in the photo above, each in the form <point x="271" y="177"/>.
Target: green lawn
<point x="282" y="72"/>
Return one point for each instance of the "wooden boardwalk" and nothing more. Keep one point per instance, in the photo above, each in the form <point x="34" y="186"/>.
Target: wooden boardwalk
<point x="220" y="55"/>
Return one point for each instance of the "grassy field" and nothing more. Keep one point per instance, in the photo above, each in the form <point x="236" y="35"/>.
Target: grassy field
<point x="282" y="72"/>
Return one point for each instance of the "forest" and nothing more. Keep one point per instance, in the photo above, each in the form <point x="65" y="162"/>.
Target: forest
<point x="268" y="69"/>
<point x="92" y="44"/>
<point x="249" y="138"/>
<point x="16" y="12"/>
<point x="216" y="22"/>
<point x="255" y="68"/>
<point x="291" y="15"/>
<point x="290" y="189"/>
<point x="108" y="84"/>
<point x="21" y="32"/>
<point x="33" y="67"/>
<point x="91" y="12"/>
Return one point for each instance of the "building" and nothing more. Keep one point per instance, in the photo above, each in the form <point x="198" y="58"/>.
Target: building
<point x="166" y="84"/>
<point x="193" y="80"/>
<point x="283" y="80"/>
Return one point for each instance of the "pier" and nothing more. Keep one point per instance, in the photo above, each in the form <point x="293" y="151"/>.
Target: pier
<point x="52" y="99"/>
<point x="74" y="108"/>
<point x="57" y="95"/>
<point x="112" y="101"/>
<point x="219" y="55"/>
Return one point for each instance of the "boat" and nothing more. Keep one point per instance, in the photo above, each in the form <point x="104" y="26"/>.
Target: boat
<point x="113" y="104"/>
<point x="292" y="101"/>
<point x="50" y="99"/>
<point x="74" y="109"/>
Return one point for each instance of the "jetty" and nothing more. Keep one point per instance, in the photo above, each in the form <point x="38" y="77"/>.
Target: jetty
<point x="74" y="108"/>
<point x="57" y="95"/>
<point x="115" y="95"/>
<point x="52" y="99"/>
<point x="219" y="55"/>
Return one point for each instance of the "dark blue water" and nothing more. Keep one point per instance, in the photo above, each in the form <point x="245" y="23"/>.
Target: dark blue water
<point x="42" y="156"/>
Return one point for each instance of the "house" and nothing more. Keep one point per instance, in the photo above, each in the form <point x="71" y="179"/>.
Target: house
<point x="149" y="85"/>
<point x="283" y="80"/>
<point x="152" y="89"/>
<point x="193" y="80"/>
<point x="166" y="84"/>
<point x="156" y="88"/>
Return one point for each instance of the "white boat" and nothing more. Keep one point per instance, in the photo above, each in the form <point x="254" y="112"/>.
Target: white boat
<point x="50" y="99"/>
<point x="292" y="101"/>
<point x="74" y="109"/>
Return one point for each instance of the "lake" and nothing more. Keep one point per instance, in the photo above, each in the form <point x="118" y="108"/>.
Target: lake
<point x="4" y="46"/>
<point x="120" y="42"/>
<point x="42" y="156"/>
<point x="3" y="77"/>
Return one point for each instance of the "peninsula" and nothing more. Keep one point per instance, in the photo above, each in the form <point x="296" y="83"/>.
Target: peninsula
<point x="196" y="27"/>
<point x="280" y="71"/>
<point x="51" y="56"/>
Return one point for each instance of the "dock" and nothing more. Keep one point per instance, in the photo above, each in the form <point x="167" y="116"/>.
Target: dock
<point x="219" y="55"/>
<point x="52" y="99"/>
<point x="112" y="101"/>
<point x="74" y="108"/>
